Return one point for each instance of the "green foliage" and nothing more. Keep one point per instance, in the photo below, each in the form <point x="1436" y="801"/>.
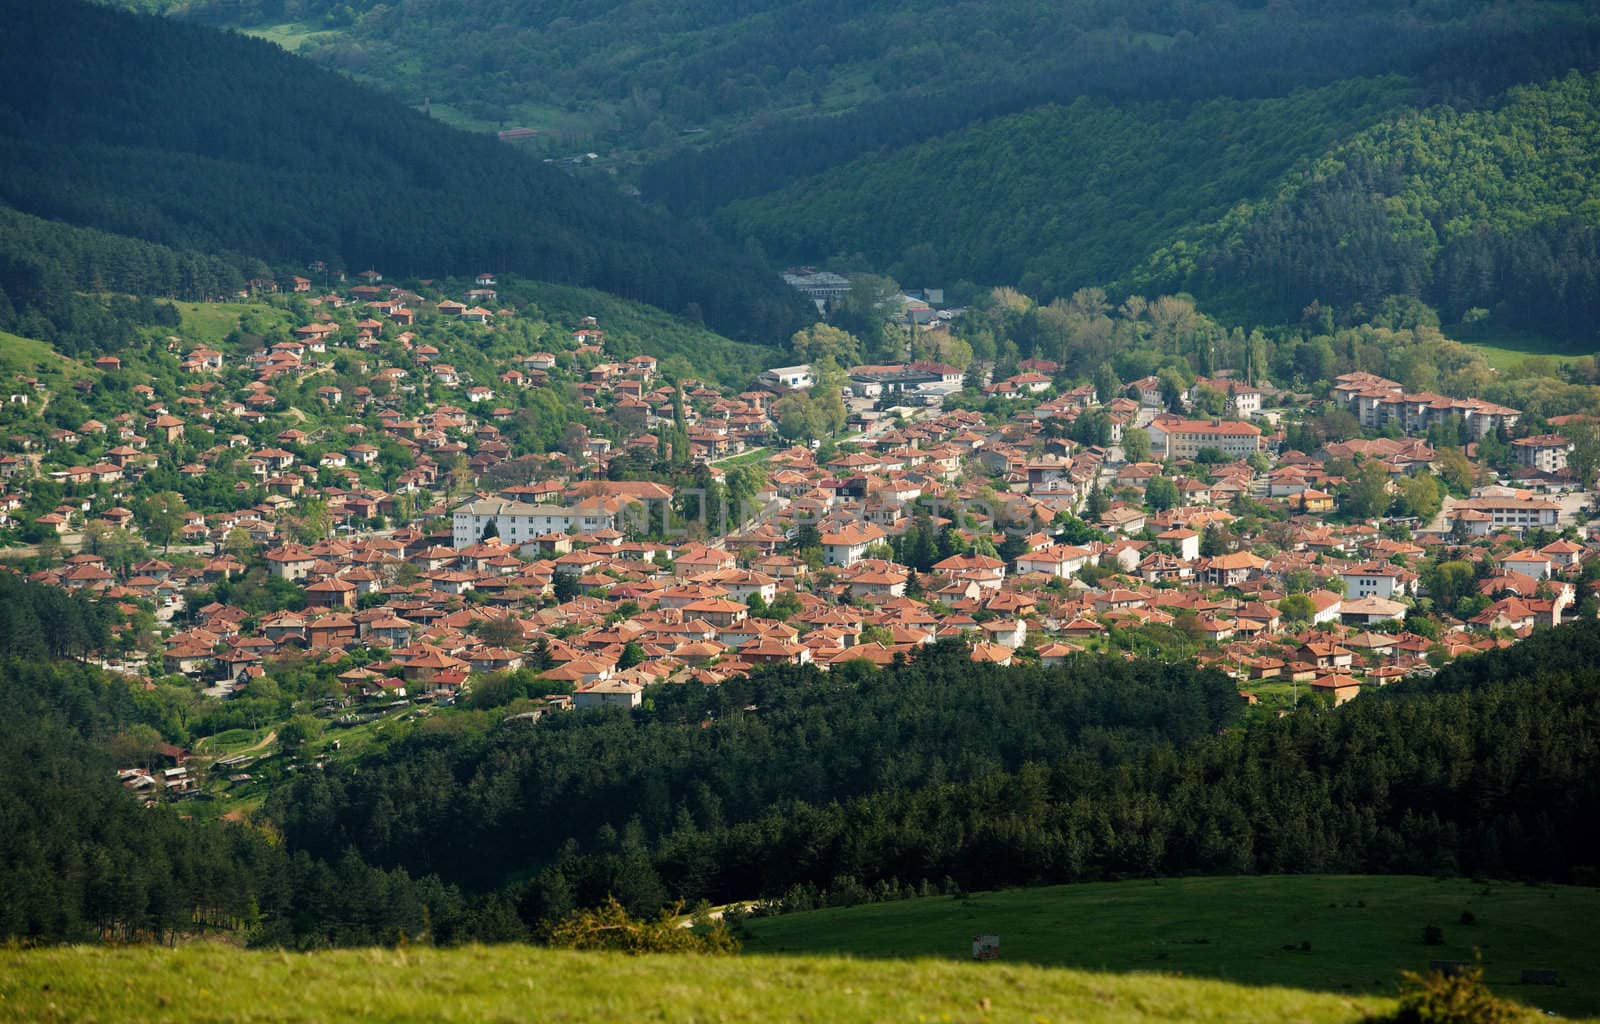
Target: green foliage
<point x="1160" y="493"/>
<point x="1513" y="228"/>
<point x="1297" y="608"/>
<point x="1366" y="494"/>
<point x="809" y="788"/>
<point x="993" y="197"/>
<point x="1245" y="930"/>
<point x="1135" y="444"/>
<point x="1453" y="998"/>
<point x="1448" y="583"/>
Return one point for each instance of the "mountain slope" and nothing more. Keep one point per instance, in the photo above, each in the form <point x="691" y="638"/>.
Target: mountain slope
<point x="635" y="72"/>
<point x="1343" y="195"/>
<point x="1497" y="208"/>
<point x="213" y="142"/>
<point x="1057" y="197"/>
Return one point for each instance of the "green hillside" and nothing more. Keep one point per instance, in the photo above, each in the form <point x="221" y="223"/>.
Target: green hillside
<point x="1062" y="196"/>
<point x="516" y="983"/>
<point x="1496" y="209"/>
<point x="1343" y="195"/>
<point x="1362" y="931"/>
<point x="730" y="80"/>
<point x="209" y="142"/>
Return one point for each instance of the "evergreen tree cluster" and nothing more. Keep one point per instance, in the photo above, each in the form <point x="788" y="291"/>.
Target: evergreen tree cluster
<point x="934" y="770"/>
<point x="209" y="142"/>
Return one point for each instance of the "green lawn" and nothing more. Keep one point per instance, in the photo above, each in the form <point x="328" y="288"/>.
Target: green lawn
<point x="1505" y="349"/>
<point x="517" y="983"/>
<point x="755" y="456"/>
<point x="1362" y="931"/>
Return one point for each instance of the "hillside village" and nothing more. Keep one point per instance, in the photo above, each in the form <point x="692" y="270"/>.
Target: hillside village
<point x="359" y="492"/>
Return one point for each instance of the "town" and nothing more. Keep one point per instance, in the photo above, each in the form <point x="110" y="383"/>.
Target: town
<point x="366" y="514"/>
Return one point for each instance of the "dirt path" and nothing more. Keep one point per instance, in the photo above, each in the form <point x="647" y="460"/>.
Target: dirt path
<point x="265" y="741"/>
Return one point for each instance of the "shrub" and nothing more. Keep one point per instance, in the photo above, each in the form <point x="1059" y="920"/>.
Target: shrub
<point x="1432" y="935"/>
<point x="1460" y="998"/>
<point x="612" y="927"/>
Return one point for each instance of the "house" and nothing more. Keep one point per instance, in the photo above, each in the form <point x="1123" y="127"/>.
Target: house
<point x="520" y="523"/>
<point x="607" y="693"/>
<point x="1185" y="542"/>
<point x="848" y="545"/>
<point x="1231" y="570"/>
<point x="1341" y="688"/>
<point x="1369" y="610"/>
<point x="1061" y="560"/>
<point x="290" y="563"/>
<point x="1325" y="655"/>
<point x="1512" y="511"/>
<point x="1373" y="579"/>
<point x="1529" y="563"/>
<point x="332" y="592"/>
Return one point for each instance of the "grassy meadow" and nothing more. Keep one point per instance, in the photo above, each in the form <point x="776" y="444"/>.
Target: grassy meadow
<point x="519" y="983"/>
<point x="1328" y="934"/>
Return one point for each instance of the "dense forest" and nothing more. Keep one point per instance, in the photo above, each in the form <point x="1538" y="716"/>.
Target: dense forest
<point x="934" y="771"/>
<point x="1495" y="210"/>
<point x="82" y="860"/>
<point x="1342" y="196"/>
<point x="1059" y="196"/>
<point x="772" y="78"/>
<point x="208" y="142"/>
<point x="1456" y="52"/>
<point x="53" y="276"/>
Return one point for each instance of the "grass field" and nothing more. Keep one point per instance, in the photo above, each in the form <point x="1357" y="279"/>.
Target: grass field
<point x="755" y="457"/>
<point x="211" y="322"/>
<point x="1505" y="350"/>
<point x="1362" y="931"/>
<point x="34" y="357"/>
<point x="518" y="983"/>
<point x="292" y="35"/>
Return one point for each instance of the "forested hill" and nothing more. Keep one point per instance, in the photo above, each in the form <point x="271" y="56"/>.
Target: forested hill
<point x="1058" y="197"/>
<point x="765" y="82"/>
<point x="868" y="781"/>
<point x="211" y="142"/>
<point x="1343" y="195"/>
<point x="1494" y="209"/>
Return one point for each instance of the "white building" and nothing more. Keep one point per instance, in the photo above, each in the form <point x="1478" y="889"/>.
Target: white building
<point x="1516" y="513"/>
<point x="1175" y="438"/>
<point x="1544" y="452"/>
<point x="847" y="546"/>
<point x="1372" y="580"/>
<point x="608" y="693"/>
<point x="518" y="522"/>
<point x="795" y="378"/>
